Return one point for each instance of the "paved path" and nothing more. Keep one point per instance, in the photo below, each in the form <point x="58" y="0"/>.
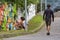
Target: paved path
<point x="41" y="35"/>
<point x="57" y="14"/>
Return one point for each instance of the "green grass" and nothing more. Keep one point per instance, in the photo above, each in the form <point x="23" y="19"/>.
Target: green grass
<point x="34" y="23"/>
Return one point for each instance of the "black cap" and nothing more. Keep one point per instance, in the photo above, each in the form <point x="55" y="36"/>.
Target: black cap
<point x="22" y="18"/>
<point x="48" y="5"/>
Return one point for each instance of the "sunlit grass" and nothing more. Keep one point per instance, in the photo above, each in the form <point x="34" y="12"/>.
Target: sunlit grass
<point x="34" y="23"/>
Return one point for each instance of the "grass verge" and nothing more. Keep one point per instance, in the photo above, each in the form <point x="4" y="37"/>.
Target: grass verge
<point x="33" y="26"/>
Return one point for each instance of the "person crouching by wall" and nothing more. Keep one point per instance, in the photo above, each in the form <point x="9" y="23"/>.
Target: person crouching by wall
<point x="19" y="24"/>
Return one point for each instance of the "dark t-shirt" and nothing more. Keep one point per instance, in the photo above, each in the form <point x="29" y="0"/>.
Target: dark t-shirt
<point x="48" y="13"/>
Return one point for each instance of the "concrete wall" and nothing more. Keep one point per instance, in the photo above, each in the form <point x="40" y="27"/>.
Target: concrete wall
<point x="31" y="12"/>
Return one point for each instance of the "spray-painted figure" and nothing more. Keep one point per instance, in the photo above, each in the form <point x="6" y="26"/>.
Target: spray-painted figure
<point x="1" y="15"/>
<point x="10" y="11"/>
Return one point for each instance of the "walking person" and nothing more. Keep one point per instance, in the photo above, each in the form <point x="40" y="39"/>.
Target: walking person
<point x="48" y="16"/>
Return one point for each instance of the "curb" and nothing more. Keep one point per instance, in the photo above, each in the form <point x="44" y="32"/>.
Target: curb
<point x="37" y="29"/>
<point x="24" y="33"/>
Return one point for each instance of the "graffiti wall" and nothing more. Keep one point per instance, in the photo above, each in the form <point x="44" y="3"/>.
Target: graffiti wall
<point x="7" y="12"/>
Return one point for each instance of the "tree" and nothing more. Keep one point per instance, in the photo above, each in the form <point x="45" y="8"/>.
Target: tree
<point x="21" y="3"/>
<point x="2" y="0"/>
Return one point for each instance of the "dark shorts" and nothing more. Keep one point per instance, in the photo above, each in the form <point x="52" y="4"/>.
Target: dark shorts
<point x="48" y="22"/>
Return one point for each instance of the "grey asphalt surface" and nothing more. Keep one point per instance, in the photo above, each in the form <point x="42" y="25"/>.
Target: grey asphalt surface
<point x="57" y="14"/>
<point x="41" y="35"/>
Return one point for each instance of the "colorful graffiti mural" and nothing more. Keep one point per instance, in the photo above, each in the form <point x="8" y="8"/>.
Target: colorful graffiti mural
<point x="7" y="13"/>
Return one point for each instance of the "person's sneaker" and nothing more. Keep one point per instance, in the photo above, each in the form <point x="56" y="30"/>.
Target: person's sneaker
<point x="48" y="33"/>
